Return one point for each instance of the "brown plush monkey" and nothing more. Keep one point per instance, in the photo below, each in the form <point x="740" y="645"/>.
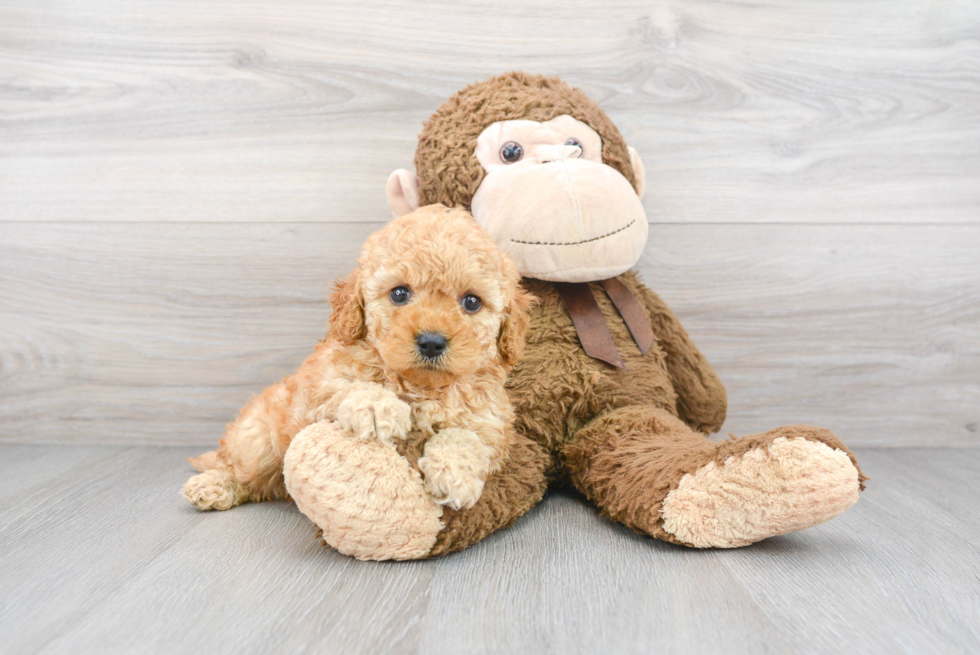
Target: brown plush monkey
<point x="611" y="395"/>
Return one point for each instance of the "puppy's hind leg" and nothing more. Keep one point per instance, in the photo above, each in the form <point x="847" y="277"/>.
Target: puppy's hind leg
<point x="204" y="462"/>
<point x="248" y="464"/>
<point x="243" y="469"/>
<point x="213" y="489"/>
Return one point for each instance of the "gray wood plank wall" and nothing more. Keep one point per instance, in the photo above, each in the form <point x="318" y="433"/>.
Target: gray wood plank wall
<point x="179" y="182"/>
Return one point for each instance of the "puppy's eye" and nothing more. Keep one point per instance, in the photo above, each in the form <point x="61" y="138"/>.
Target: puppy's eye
<point x="471" y="304"/>
<point x="574" y="142"/>
<point x="511" y="152"/>
<point x="400" y="295"/>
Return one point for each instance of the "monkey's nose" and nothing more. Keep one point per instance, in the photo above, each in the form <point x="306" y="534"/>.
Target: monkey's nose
<point x="551" y="153"/>
<point x="431" y="344"/>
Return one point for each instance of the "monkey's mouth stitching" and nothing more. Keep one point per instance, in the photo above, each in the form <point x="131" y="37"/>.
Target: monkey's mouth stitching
<point x="574" y="243"/>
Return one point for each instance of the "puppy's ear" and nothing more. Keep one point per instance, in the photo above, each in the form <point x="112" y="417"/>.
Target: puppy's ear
<point x="515" y="327"/>
<point x="347" y="317"/>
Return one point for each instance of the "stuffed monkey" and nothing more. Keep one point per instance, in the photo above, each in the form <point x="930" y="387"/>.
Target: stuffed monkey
<point x="611" y="394"/>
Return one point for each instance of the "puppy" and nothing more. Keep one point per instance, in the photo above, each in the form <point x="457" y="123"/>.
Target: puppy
<point x="421" y="338"/>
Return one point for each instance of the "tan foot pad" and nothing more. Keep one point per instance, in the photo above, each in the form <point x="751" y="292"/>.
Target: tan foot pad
<point x="362" y="494"/>
<point x="790" y="485"/>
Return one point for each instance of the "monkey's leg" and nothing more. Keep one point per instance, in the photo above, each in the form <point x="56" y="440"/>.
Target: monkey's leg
<point x="648" y="470"/>
<point x="369" y="499"/>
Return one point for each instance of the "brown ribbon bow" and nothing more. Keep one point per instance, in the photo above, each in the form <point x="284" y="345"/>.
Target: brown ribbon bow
<point x="591" y="326"/>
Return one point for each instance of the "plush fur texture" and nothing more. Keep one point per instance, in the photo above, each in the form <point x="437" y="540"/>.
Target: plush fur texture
<point x="445" y="161"/>
<point x="560" y="389"/>
<point x="509" y="492"/>
<point x="367" y="380"/>
<point x="370" y="501"/>
<point x="366" y="499"/>
<point x="791" y="484"/>
<point x="628" y="437"/>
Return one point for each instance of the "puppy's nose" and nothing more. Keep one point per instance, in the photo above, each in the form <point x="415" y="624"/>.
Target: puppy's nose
<point x="431" y="344"/>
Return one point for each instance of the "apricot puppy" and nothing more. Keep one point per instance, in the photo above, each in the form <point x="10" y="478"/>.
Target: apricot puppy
<point x="421" y="338"/>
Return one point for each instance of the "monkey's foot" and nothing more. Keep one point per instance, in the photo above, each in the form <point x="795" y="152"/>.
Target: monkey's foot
<point x="365" y="497"/>
<point x="773" y="489"/>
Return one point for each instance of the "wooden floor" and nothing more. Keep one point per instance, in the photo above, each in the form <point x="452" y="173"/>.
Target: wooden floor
<point x="98" y="553"/>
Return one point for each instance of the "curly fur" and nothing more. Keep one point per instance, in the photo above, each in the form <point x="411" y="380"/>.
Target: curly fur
<point x="369" y="379"/>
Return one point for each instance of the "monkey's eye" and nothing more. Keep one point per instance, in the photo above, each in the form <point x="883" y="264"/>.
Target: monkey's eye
<point x="575" y="142"/>
<point x="511" y="152"/>
<point x="471" y="304"/>
<point x="400" y="295"/>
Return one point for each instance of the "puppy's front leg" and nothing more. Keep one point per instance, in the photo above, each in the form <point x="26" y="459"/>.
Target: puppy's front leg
<point x="456" y="463"/>
<point x="369" y="411"/>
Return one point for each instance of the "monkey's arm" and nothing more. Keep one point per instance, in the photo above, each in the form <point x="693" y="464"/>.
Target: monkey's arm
<point x="701" y="398"/>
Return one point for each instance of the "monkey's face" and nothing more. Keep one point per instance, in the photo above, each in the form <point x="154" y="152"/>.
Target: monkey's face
<point x="552" y="204"/>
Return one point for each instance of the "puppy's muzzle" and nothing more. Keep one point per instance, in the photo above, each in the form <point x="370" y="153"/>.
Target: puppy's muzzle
<point x="431" y="345"/>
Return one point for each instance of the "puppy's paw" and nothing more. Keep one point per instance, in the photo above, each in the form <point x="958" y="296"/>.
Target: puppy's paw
<point x="450" y="487"/>
<point x="213" y="489"/>
<point x="369" y="411"/>
<point x="455" y="465"/>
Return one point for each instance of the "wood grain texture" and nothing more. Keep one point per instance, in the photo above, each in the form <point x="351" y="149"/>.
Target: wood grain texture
<point x="159" y="333"/>
<point x="180" y="180"/>
<point x="105" y="557"/>
<point x="245" y="110"/>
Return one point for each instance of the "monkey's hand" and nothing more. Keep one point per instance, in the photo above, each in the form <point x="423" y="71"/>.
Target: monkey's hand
<point x="369" y="411"/>
<point x="455" y="465"/>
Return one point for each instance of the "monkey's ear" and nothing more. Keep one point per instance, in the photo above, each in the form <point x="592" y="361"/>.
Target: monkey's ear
<point x="641" y="183"/>
<point x="403" y="192"/>
<point x="515" y="326"/>
<point x="347" y="317"/>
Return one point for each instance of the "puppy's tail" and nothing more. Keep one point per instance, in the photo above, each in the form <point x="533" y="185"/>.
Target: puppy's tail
<point x="204" y="462"/>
